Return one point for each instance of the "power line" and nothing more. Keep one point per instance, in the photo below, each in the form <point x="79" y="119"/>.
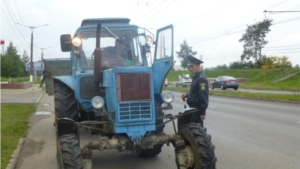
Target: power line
<point x="284" y="52"/>
<point x="284" y="21"/>
<point x="223" y="58"/>
<point x="267" y="50"/>
<point x="141" y="11"/>
<point x="279" y="11"/>
<point x="150" y="11"/>
<point x="19" y="12"/>
<point x="276" y="23"/>
<point x="11" y="25"/>
<point x="13" y="17"/>
<point x="281" y="49"/>
<point x="293" y="7"/>
<point x="217" y="37"/>
<point x="277" y="4"/>
<point x="205" y="12"/>
<point x="159" y="11"/>
<point x="224" y="54"/>
<point x="24" y="12"/>
<point x="282" y="46"/>
<point x="31" y="16"/>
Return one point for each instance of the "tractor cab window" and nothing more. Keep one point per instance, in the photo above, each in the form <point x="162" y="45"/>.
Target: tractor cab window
<point x="117" y="51"/>
<point x="164" y="45"/>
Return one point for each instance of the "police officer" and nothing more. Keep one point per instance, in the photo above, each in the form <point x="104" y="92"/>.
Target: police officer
<point x="197" y="97"/>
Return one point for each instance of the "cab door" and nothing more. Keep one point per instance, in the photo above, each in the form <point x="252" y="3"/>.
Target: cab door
<point x="163" y="59"/>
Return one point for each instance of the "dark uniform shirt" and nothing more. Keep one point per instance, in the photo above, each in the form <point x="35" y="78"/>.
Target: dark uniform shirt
<point x="198" y="94"/>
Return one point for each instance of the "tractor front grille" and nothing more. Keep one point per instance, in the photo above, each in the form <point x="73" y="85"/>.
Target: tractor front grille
<point x="135" y="111"/>
<point x="133" y="87"/>
<point x="87" y="87"/>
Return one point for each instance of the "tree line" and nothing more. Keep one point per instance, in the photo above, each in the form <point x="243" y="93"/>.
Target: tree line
<point x="12" y="64"/>
<point x="252" y="56"/>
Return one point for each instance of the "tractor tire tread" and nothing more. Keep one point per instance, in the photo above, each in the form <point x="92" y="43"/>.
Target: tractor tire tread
<point x="65" y="101"/>
<point x="201" y="143"/>
<point x="71" y="152"/>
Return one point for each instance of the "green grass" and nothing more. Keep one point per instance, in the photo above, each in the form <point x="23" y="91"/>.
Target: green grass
<point x="288" y="97"/>
<point x="257" y="78"/>
<point x="20" y="79"/>
<point x="14" y="124"/>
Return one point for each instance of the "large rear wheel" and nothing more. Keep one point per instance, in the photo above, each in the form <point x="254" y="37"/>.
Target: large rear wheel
<point x="65" y="101"/>
<point x="198" y="144"/>
<point x="65" y="107"/>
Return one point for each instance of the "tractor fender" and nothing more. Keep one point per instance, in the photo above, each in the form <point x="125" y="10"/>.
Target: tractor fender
<point x="65" y="126"/>
<point x="186" y="116"/>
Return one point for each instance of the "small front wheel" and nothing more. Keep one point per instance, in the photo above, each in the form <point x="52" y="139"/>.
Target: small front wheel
<point x="198" y="152"/>
<point x="69" y="152"/>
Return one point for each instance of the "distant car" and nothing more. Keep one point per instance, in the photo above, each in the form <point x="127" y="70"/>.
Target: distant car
<point x="183" y="82"/>
<point x="225" y="82"/>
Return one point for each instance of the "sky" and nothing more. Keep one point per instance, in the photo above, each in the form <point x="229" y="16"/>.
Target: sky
<point x="212" y="28"/>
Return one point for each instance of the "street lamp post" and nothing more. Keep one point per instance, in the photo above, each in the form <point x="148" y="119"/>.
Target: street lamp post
<point x="31" y="48"/>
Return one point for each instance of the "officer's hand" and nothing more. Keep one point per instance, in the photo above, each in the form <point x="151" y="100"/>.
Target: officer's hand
<point x="183" y="96"/>
<point x="202" y="117"/>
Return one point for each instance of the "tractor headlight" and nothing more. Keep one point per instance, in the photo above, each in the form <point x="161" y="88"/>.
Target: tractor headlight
<point x="97" y="102"/>
<point x="149" y="39"/>
<point x="168" y="97"/>
<point x="76" y="41"/>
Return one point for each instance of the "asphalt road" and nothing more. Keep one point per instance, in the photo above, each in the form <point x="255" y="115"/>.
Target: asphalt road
<point x="247" y="134"/>
<point x="30" y="95"/>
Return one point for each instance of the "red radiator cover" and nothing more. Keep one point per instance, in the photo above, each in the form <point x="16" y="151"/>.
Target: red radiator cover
<point x="133" y="87"/>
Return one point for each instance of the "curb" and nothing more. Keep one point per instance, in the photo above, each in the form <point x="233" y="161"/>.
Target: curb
<point x="15" y="156"/>
<point x="286" y="101"/>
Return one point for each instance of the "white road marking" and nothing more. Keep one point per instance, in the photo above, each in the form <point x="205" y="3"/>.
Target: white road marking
<point x="46" y="104"/>
<point x="40" y="98"/>
<point x="43" y="113"/>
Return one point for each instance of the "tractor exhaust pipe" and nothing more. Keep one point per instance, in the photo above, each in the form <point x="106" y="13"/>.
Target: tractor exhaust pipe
<point x="97" y="62"/>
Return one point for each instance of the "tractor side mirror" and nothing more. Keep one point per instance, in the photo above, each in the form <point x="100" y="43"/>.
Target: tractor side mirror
<point x="66" y="43"/>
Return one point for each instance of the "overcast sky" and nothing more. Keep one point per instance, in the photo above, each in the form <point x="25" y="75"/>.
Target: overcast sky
<point x="212" y="28"/>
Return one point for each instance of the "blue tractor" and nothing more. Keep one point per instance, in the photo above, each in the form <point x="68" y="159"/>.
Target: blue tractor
<point x="110" y="87"/>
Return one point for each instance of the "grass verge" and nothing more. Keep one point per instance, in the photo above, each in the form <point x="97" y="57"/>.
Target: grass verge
<point x="286" y="97"/>
<point x="14" y="124"/>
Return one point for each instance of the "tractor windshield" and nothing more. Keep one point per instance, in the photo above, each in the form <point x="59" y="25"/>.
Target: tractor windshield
<point x="117" y="51"/>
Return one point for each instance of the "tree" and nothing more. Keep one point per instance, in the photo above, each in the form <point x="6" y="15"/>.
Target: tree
<point x="236" y="65"/>
<point x="222" y="66"/>
<point x="254" y="41"/>
<point x="273" y="62"/>
<point x="11" y="63"/>
<point x="25" y="57"/>
<point x="184" y="51"/>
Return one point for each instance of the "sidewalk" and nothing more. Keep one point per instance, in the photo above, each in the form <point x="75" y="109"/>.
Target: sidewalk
<point x="39" y="148"/>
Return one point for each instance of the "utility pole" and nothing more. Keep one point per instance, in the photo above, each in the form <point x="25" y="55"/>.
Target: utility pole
<point x="31" y="48"/>
<point x="42" y="56"/>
